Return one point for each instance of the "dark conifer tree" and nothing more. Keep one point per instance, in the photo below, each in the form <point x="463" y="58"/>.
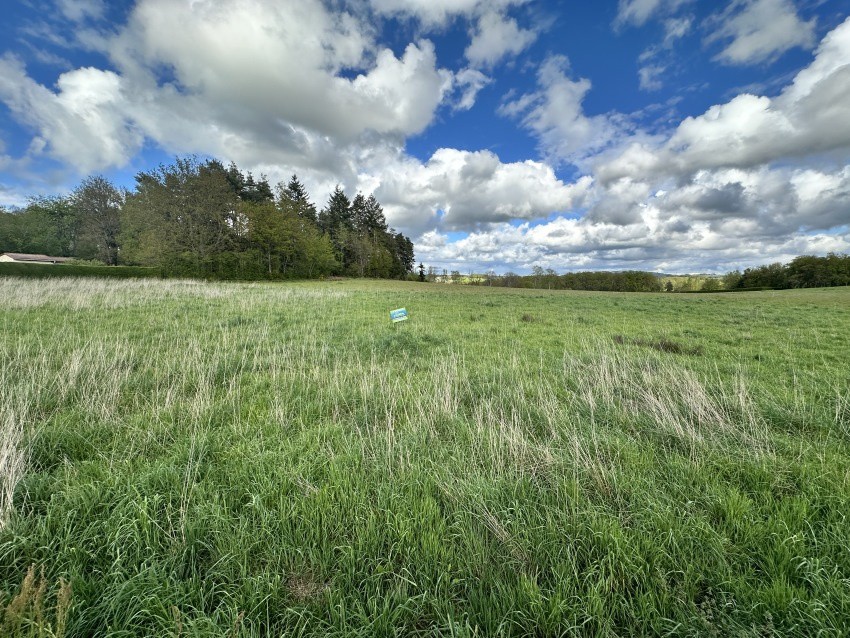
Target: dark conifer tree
<point x="375" y="221"/>
<point x="264" y="190"/>
<point x="403" y="255"/>
<point x="233" y="174"/>
<point x="295" y="193"/>
<point x="359" y="220"/>
<point x="336" y="216"/>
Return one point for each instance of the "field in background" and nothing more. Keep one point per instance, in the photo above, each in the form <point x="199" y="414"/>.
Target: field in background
<point x="687" y="283"/>
<point x="182" y="458"/>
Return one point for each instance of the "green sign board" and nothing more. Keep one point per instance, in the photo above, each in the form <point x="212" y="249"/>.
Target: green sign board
<point x="398" y="315"/>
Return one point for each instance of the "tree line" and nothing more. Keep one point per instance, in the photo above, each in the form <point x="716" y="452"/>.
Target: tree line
<point x="806" y="271"/>
<point x="202" y="219"/>
<point x="625" y="281"/>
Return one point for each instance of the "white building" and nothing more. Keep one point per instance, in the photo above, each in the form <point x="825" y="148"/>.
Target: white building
<point x="24" y="258"/>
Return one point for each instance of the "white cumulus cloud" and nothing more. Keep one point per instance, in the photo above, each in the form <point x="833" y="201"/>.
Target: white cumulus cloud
<point x="469" y="82"/>
<point x="756" y="31"/>
<point x="253" y="81"/>
<point x="495" y="37"/>
<point x="639" y="12"/>
<point x="84" y="123"/>
<point x="811" y="116"/>
<point x="79" y="10"/>
<point x="555" y="114"/>
<point x="473" y="188"/>
<point x="437" y="13"/>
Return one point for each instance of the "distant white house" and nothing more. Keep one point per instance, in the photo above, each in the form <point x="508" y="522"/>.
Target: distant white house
<point x="24" y="258"/>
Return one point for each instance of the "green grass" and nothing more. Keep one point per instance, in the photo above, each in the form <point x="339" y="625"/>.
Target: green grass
<point x="279" y="460"/>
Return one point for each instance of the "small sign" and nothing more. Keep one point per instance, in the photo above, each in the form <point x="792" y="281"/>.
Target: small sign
<point x="398" y="315"/>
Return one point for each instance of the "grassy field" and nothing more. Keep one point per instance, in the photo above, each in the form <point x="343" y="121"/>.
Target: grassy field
<point x="190" y="459"/>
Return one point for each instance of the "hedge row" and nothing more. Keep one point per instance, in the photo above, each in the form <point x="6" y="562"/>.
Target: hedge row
<point x="73" y="270"/>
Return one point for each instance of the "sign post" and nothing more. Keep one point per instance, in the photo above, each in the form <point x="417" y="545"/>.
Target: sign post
<point x="398" y="315"/>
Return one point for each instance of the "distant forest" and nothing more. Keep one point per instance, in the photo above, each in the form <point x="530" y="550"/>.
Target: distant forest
<point x="202" y="219"/>
<point x="806" y="271"/>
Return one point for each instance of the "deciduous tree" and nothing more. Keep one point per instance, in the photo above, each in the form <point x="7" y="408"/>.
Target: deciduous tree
<point x="98" y="204"/>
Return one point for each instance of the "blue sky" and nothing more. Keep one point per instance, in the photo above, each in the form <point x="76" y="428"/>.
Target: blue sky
<point x="669" y="135"/>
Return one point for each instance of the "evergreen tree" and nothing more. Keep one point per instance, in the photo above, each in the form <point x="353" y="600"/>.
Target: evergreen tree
<point x="264" y="190"/>
<point x="359" y="215"/>
<point x="375" y="222"/>
<point x="337" y="214"/>
<point x="243" y="184"/>
<point x="335" y="221"/>
<point x="296" y="195"/>
<point x="249" y="189"/>
<point x="233" y="174"/>
<point x="253" y="191"/>
<point x="403" y="255"/>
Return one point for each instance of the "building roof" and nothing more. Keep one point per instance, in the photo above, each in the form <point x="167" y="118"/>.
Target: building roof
<point x="30" y="257"/>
